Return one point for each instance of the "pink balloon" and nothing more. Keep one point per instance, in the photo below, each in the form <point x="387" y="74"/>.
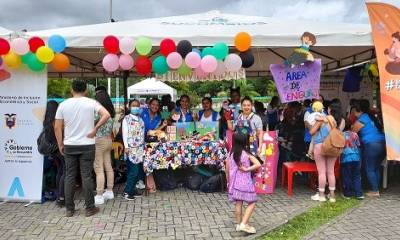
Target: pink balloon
<point x="126" y="45"/>
<point x="193" y="60"/>
<point x="209" y="64"/>
<point x="174" y="60"/>
<point x="220" y="69"/>
<point x="111" y="62"/>
<point x="233" y="62"/>
<point x="200" y="73"/>
<point x="20" y="46"/>
<point x="126" y="62"/>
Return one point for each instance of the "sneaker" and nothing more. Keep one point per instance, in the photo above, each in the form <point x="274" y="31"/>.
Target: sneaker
<point x="98" y="199"/>
<point x="345" y="197"/>
<point x="237" y="227"/>
<point x="247" y="228"/>
<point x="129" y="197"/>
<point x="360" y="197"/>
<point x="317" y="197"/>
<point x="108" y="195"/>
<point x="92" y="211"/>
<point x="331" y="199"/>
<point x="140" y="185"/>
<point x="70" y="213"/>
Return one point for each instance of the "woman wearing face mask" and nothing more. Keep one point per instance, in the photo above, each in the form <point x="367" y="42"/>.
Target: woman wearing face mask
<point x="248" y="123"/>
<point x="133" y="137"/>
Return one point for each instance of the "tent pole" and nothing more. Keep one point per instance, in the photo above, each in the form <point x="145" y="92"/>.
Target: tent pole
<point x="125" y="76"/>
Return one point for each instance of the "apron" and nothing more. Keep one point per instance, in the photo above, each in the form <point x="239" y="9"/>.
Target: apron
<point x="135" y="139"/>
<point x="243" y="125"/>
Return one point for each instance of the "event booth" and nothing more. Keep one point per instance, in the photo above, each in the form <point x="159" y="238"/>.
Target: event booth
<point x="151" y="87"/>
<point x="339" y="46"/>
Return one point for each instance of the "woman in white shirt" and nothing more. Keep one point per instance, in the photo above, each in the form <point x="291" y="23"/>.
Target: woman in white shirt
<point x="208" y="114"/>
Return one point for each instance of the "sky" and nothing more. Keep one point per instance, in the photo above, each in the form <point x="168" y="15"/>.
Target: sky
<point x="44" y="14"/>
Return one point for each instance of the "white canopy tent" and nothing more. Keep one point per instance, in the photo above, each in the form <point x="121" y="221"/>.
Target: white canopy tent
<point x="4" y="32"/>
<point x="338" y="44"/>
<point x="151" y="86"/>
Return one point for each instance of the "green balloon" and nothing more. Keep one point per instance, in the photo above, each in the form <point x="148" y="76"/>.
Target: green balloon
<point x="184" y="70"/>
<point x="34" y="64"/>
<point x="25" y="58"/>
<point x="207" y="51"/>
<point x="160" y="65"/>
<point x="221" y="50"/>
<point x="143" y="46"/>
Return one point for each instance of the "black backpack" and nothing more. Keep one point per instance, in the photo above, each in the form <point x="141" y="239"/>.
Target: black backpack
<point x="165" y="179"/>
<point x="45" y="147"/>
<point x="216" y="183"/>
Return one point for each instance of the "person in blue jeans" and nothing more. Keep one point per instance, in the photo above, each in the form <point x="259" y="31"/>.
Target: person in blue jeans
<point x="350" y="164"/>
<point x="372" y="144"/>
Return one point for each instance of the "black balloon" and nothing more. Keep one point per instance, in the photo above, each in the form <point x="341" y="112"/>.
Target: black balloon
<point x="184" y="47"/>
<point x="247" y="58"/>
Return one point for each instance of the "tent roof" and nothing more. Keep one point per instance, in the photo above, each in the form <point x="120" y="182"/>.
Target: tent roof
<point x="205" y="29"/>
<point x="150" y="86"/>
<point x="338" y="44"/>
<point x="4" y="32"/>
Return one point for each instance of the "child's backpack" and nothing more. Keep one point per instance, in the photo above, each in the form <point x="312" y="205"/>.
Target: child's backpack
<point x="334" y="143"/>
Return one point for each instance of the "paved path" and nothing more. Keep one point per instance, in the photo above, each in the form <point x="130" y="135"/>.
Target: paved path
<point x="179" y="214"/>
<point x="373" y="219"/>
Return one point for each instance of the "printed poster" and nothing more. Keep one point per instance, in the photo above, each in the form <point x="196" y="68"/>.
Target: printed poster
<point x="22" y="106"/>
<point x="385" y="19"/>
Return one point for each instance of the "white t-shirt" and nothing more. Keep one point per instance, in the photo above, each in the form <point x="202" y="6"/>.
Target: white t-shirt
<point x="209" y="118"/>
<point x="78" y="115"/>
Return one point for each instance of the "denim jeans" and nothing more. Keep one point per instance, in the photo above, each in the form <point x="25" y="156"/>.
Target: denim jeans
<point x="84" y="157"/>
<point x="373" y="155"/>
<point x="132" y="177"/>
<point x="351" y="178"/>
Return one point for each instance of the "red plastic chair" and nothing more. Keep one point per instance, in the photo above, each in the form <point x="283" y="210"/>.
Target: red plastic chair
<point x="289" y="168"/>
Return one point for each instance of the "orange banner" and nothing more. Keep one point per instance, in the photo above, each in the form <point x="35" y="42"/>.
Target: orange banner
<point x="385" y="24"/>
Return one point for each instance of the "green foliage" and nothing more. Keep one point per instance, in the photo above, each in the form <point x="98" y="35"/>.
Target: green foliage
<point x="58" y="88"/>
<point x="305" y="223"/>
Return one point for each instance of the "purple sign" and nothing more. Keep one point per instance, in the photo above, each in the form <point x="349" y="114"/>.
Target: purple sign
<point x="297" y="83"/>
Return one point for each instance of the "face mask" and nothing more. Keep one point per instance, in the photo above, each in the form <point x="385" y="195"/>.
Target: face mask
<point x="135" y="110"/>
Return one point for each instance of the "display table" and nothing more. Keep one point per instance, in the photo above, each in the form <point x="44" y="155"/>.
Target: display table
<point x="175" y="154"/>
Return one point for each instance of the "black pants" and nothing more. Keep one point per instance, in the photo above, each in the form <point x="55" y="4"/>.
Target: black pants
<point x="82" y="156"/>
<point x="60" y="162"/>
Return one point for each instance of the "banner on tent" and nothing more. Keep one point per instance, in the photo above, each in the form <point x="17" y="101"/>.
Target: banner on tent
<point x="297" y="83"/>
<point x="22" y="107"/>
<point x="385" y="20"/>
<point x="193" y="77"/>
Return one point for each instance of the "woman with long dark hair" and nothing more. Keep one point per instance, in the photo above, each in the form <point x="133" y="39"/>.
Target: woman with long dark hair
<point x="372" y="139"/>
<point x="249" y="123"/>
<point x="102" y="160"/>
<point x="325" y="164"/>
<point x="57" y="157"/>
<point x="241" y="189"/>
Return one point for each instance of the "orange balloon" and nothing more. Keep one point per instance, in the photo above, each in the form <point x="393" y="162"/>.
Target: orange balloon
<point x="242" y="41"/>
<point x="60" y="62"/>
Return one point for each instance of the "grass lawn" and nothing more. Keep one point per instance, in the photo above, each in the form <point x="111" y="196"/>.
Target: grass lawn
<point x="305" y="223"/>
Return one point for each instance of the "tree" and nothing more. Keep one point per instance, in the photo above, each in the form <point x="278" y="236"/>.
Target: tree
<point x="58" y="88"/>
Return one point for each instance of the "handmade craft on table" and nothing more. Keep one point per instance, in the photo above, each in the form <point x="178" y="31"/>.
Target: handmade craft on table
<point x="174" y="154"/>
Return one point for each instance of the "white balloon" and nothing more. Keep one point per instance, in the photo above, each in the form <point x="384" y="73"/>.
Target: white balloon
<point x="127" y="45"/>
<point x="233" y="62"/>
